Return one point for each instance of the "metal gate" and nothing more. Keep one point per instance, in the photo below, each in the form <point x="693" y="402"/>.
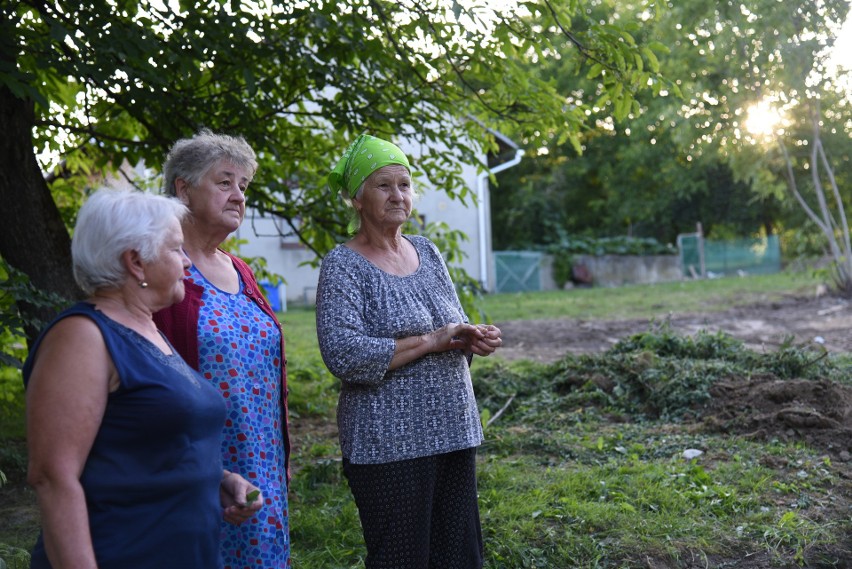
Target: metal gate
<point x="517" y="271"/>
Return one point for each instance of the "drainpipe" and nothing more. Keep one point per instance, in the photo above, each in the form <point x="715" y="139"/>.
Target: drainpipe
<point x="481" y="184"/>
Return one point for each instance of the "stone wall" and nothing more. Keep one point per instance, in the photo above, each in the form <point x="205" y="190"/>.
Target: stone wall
<point x="617" y="270"/>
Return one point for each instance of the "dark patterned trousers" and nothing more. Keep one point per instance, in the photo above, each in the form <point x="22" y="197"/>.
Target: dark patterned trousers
<point x="420" y="513"/>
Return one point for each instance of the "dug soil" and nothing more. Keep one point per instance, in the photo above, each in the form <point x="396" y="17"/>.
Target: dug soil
<point x="761" y="326"/>
<point x="818" y="413"/>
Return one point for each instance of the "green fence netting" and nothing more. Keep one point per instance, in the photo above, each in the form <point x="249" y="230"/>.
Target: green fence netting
<point x="517" y="271"/>
<point x="760" y="255"/>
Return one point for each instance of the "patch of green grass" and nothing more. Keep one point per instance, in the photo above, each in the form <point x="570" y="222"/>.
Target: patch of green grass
<point x="300" y="332"/>
<point x="617" y="496"/>
<point x="569" y="477"/>
<point x="324" y="528"/>
<point x="313" y="390"/>
<point x="646" y="301"/>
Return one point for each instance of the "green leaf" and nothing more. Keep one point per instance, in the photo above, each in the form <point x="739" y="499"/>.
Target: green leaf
<point x="594" y="71"/>
<point x="252" y="496"/>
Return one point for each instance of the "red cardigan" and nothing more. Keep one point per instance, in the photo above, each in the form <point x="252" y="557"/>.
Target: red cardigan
<point x="179" y="323"/>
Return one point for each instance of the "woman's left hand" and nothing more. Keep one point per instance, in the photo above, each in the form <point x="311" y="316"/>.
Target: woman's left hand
<point x="479" y="339"/>
<point x="489" y="341"/>
<point x="233" y="494"/>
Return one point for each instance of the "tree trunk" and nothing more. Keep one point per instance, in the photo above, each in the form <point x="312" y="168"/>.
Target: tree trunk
<point x="33" y="237"/>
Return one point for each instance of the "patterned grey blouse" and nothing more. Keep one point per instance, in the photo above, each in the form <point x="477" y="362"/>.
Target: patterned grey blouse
<point x="423" y="408"/>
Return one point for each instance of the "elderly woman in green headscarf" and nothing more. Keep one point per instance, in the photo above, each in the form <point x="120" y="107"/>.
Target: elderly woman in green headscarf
<point x="392" y="329"/>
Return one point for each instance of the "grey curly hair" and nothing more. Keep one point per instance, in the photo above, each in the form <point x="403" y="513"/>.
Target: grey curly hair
<point x="191" y="158"/>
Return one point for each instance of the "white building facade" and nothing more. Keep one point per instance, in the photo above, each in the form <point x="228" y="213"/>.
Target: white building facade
<point x="287" y="257"/>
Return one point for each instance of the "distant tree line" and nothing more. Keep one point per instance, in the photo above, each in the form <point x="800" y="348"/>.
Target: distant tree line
<point x="682" y="157"/>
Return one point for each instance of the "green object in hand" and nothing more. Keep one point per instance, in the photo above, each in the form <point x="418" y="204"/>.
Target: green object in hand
<point x="252" y="496"/>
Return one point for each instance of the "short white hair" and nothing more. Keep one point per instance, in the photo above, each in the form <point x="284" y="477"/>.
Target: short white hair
<point x="112" y="222"/>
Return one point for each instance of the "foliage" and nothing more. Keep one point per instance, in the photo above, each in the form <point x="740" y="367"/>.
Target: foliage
<point x="663" y="341"/>
<point x="673" y="160"/>
<point x="563" y="265"/>
<point x="13" y="457"/>
<point x="17" y="289"/>
<point x="803" y="243"/>
<point x="12" y="402"/>
<point x="102" y="88"/>
<point x="13" y="557"/>
<point x="655" y="374"/>
<point x="317" y="396"/>
<point x="825" y="208"/>
<point x="448" y="241"/>
<point x="620" y="245"/>
<point x="257" y="264"/>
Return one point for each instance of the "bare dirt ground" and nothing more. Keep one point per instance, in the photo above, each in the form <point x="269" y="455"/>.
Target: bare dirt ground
<point x="759" y="326"/>
<point x="816" y="412"/>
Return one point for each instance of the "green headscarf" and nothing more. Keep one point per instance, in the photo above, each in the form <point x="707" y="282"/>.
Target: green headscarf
<point x="363" y="157"/>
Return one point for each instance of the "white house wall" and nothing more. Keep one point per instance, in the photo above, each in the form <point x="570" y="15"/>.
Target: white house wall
<point x="284" y="256"/>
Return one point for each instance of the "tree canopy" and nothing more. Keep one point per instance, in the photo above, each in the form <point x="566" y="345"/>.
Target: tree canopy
<point x="89" y="85"/>
<point x="673" y="161"/>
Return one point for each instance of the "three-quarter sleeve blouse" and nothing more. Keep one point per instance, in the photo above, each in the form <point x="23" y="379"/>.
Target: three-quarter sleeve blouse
<point x="423" y="408"/>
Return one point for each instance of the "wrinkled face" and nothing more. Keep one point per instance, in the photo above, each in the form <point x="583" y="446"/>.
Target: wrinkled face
<point x="386" y="199"/>
<point x="164" y="274"/>
<point x="218" y="202"/>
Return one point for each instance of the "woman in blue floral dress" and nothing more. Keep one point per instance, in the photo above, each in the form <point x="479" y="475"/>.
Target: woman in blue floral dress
<point x="227" y="330"/>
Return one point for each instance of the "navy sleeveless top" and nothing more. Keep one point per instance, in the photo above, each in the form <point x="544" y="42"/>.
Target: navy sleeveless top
<point x="152" y="477"/>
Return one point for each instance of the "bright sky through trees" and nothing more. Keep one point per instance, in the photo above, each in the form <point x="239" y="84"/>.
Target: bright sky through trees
<point x="842" y="52"/>
<point x="765" y="119"/>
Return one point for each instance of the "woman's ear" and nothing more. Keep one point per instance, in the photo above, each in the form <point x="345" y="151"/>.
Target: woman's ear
<point x="133" y="265"/>
<point x="182" y="190"/>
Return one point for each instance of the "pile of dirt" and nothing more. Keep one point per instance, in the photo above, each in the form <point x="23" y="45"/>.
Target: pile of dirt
<point x="818" y="413"/>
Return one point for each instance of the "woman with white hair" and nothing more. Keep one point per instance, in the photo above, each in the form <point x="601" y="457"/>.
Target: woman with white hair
<point x="123" y="436"/>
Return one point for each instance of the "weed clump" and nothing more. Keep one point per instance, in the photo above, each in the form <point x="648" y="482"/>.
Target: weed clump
<point x="657" y="374"/>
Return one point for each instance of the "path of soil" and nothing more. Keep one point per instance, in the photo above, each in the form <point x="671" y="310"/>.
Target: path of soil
<point x="760" y="326"/>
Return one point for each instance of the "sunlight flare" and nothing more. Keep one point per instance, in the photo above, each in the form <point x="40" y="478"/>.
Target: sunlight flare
<point x="764" y="120"/>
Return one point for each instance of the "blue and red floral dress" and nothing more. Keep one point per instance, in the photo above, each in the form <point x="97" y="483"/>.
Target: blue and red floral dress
<point x="239" y="351"/>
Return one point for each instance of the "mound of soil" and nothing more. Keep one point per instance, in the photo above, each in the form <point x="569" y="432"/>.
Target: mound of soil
<point x="818" y="413"/>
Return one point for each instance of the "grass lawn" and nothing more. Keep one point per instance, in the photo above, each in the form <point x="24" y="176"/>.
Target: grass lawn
<point x="572" y="475"/>
<point x="582" y="479"/>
